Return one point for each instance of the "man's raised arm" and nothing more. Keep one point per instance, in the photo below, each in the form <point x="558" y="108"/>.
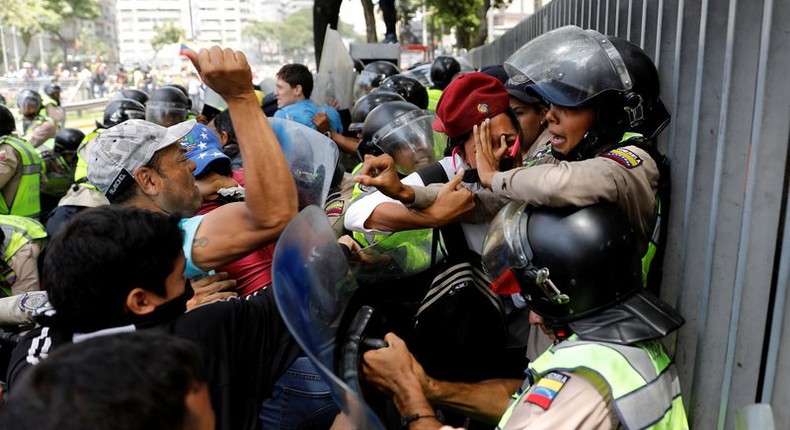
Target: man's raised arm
<point x="234" y="230"/>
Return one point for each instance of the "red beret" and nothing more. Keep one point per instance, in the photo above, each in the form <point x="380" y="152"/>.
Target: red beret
<point x="467" y="101"/>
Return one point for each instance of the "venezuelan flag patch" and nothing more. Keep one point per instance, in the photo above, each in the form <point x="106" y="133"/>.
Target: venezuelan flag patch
<point x="335" y="207"/>
<point x="624" y="157"/>
<point x="546" y="389"/>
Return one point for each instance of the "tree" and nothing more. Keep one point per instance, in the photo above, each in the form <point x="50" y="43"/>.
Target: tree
<point x="69" y="12"/>
<point x="264" y="34"/>
<point x="29" y="17"/>
<point x="467" y="17"/>
<point x="165" y="34"/>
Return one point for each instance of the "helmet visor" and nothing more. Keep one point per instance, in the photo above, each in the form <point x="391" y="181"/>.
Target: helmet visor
<point x="409" y="139"/>
<point x="366" y="82"/>
<point x="569" y="66"/>
<point x="165" y="115"/>
<point x="503" y="246"/>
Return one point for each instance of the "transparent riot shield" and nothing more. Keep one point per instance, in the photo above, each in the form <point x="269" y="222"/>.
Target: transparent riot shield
<point x="311" y="156"/>
<point x="312" y="286"/>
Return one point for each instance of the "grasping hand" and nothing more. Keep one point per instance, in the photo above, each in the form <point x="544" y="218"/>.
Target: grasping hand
<point x="210" y="289"/>
<point x="486" y="155"/>
<point x="380" y="172"/>
<point x="211" y="182"/>
<point x="321" y="122"/>
<point x="386" y="367"/>
<point x="452" y="202"/>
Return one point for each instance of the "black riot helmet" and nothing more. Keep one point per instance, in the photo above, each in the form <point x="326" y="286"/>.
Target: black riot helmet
<point x="443" y="70"/>
<point x="572" y="67"/>
<point x="401" y="130"/>
<point x="51" y="88"/>
<point x="133" y="93"/>
<point x="367" y="103"/>
<point x="167" y="106"/>
<point x="7" y="121"/>
<point x="411" y="89"/>
<point x="573" y="264"/>
<point x="372" y="76"/>
<point x="183" y="90"/>
<point x="68" y="140"/>
<point x="28" y="102"/>
<point x="120" y="110"/>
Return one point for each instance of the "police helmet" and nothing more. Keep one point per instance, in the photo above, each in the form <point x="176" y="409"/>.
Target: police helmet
<point x="571" y="264"/>
<point x="7" y="121"/>
<point x="401" y="130"/>
<point x="120" y="110"/>
<point x="411" y="89"/>
<point x="573" y="67"/>
<point x="68" y="140"/>
<point x="167" y="106"/>
<point x="183" y="90"/>
<point x="28" y="102"/>
<point x="372" y="76"/>
<point x="133" y="93"/>
<point x="443" y="70"/>
<point x="367" y="103"/>
<point x="51" y="88"/>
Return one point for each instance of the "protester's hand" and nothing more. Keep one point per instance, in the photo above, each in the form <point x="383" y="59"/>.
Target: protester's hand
<point x="211" y="182"/>
<point x="225" y="71"/>
<point x="386" y="367"/>
<point x="332" y="102"/>
<point x="380" y="172"/>
<point x="452" y="202"/>
<point x="486" y="153"/>
<point x="210" y="289"/>
<point x="321" y="122"/>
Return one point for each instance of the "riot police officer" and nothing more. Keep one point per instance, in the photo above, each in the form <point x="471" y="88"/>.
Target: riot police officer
<point x="579" y="270"/>
<point x="20" y="171"/>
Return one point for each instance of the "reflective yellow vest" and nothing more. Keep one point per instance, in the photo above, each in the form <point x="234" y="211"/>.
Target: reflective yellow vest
<point x="643" y="383"/>
<point x="81" y="170"/>
<point x="433" y="98"/>
<point x="26" y="201"/>
<point x="415" y="243"/>
<point x="18" y="231"/>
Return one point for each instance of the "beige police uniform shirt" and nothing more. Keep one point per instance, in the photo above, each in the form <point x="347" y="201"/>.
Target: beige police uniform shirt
<point x="583" y="402"/>
<point x="25" y="265"/>
<point x="627" y="176"/>
<point x="10" y="172"/>
<point x="337" y="204"/>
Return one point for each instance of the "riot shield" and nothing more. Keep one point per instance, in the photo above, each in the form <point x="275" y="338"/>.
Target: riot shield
<point x="312" y="286"/>
<point x="311" y="156"/>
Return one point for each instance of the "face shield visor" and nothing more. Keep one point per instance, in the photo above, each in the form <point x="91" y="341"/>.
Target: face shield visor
<point x="508" y="260"/>
<point x="29" y="106"/>
<point x="569" y="66"/>
<point x="165" y="113"/>
<point x="409" y="140"/>
<point x="366" y="82"/>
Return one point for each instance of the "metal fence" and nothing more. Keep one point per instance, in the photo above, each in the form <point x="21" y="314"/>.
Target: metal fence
<point x="722" y="65"/>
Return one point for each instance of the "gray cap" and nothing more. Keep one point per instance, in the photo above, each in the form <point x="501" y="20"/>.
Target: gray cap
<point x="115" y="154"/>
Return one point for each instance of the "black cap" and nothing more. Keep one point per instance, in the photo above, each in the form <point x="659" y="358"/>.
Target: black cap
<point x="524" y="93"/>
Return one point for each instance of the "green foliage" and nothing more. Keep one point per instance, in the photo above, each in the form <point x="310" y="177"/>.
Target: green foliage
<point x="165" y="34"/>
<point x="463" y="16"/>
<point x="294" y="37"/>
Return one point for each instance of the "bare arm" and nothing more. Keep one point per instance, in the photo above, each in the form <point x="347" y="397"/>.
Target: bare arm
<point x="234" y="230"/>
<point x="395" y="371"/>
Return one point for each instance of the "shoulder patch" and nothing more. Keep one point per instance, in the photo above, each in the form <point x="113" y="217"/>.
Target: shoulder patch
<point x="335" y="207"/>
<point x="624" y="157"/>
<point x="546" y="389"/>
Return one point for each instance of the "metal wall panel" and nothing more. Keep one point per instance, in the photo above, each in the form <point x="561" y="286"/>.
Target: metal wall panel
<point x="723" y="66"/>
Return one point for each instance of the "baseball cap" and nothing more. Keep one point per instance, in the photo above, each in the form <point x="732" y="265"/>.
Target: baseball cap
<point x="203" y="147"/>
<point x="115" y="154"/>
<point x="467" y="101"/>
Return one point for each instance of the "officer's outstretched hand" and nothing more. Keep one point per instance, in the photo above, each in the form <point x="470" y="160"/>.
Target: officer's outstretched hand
<point x="390" y="368"/>
<point x="210" y="289"/>
<point x="453" y="201"/>
<point x="225" y="71"/>
<point x="380" y="172"/>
